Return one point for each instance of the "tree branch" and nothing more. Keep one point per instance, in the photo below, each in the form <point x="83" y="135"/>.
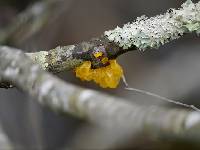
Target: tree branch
<point x="101" y="109"/>
<point x="155" y="31"/>
<point x="142" y="34"/>
<point x="5" y="142"/>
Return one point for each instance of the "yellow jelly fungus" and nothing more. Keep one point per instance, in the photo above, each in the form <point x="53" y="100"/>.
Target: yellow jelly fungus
<point x="98" y="54"/>
<point x="106" y="77"/>
<point x="104" y="60"/>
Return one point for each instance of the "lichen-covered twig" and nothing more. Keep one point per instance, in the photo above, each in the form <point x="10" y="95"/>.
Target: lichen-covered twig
<point x="69" y="57"/>
<point x="142" y="34"/>
<point x="101" y="109"/>
<point x="155" y="31"/>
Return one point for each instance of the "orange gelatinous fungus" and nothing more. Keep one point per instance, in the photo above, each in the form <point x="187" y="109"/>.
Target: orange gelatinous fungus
<point x="107" y="77"/>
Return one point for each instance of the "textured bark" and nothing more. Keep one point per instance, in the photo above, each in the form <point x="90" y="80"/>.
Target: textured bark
<point x="141" y="34"/>
<point x="156" y="31"/>
<point x="69" y="57"/>
<point x="98" y="108"/>
<point x="62" y="57"/>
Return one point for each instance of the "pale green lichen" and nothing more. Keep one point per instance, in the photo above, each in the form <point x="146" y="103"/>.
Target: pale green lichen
<point x="62" y="58"/>
<point x="155" y="31"/>
<point x="39" y="58"/>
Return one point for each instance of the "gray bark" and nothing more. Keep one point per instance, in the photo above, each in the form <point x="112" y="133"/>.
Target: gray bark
<point x="101" y="109"/>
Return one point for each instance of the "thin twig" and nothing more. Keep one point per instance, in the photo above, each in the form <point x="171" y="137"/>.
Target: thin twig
<point x="157" y="96"/>
<point x="162" y="98"/>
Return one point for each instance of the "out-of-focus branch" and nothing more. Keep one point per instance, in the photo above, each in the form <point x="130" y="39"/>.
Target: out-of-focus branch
<point x="30" y="21"/>
<point x="101" y="109"/>
<point x="5" y="143"/>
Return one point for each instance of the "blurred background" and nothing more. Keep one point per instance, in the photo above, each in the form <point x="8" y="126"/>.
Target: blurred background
<point x="171" y="71"/>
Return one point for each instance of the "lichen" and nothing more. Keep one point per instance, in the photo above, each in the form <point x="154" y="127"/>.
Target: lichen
<point x="40" y="58"/>
<point x="61" y="58"/>
<point x="107" y="77"/>
<point x="155" y="31"/>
